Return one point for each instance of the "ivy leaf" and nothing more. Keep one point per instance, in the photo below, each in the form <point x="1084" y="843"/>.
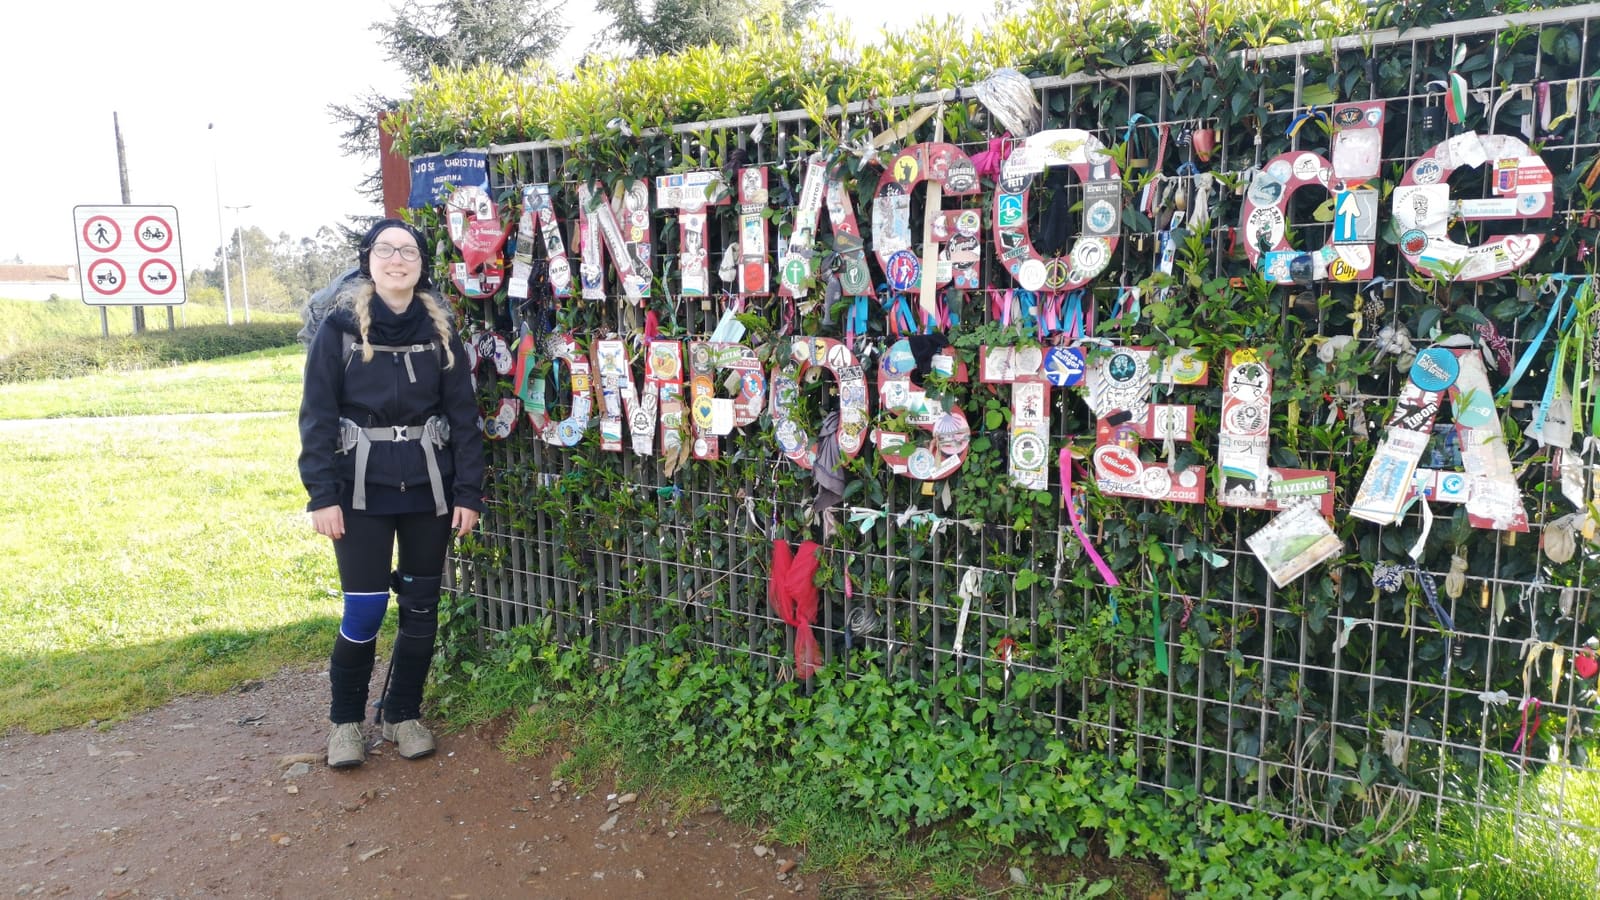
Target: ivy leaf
<point x="1428" y="319"/>
<point x="992" y="420"/>
<point x="1317" y="95"/>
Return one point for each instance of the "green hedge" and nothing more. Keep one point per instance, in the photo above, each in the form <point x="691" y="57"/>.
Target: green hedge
<point x="67" y="357"/>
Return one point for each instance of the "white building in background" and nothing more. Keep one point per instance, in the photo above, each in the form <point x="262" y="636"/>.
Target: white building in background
<point x="39" y="282"/>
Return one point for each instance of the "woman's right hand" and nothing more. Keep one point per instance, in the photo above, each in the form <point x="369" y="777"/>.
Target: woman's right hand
<point x="328" y="521"/>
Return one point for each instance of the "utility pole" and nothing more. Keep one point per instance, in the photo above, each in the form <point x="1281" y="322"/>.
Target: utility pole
<point x="127" y="200"/>
<point x="216" y="185"/>
<point x="244" y="274"/>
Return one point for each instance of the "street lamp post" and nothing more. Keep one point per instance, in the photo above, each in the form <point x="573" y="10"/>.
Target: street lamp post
<point x="244" y="272"/>
<point x="222" y="238"/>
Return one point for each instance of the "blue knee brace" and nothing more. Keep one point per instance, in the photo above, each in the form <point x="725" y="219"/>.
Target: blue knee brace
<point x="363" y="615"/>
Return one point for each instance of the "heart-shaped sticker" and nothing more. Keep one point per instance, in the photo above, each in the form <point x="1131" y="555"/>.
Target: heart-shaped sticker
<point x="482" y="242"/>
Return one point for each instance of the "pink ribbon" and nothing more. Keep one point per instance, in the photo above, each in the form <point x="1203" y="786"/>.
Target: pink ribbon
<point x="1106" y="575"/>
<point x="1523" y="735"/>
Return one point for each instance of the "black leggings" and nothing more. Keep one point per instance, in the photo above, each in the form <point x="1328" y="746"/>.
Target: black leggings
<point x="366" y="551"/>
<point x="365" y="554"/>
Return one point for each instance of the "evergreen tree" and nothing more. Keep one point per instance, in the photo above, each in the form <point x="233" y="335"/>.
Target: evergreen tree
<point x="667" y="26"/>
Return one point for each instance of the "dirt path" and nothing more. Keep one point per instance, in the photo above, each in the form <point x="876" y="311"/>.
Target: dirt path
<point x="202" y="798"/>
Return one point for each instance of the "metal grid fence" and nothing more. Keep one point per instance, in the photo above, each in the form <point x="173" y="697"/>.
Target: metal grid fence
<point x="1258" y="709"/>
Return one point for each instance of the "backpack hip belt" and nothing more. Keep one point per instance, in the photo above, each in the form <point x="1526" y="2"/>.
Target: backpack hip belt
<point x="434" y="434"/>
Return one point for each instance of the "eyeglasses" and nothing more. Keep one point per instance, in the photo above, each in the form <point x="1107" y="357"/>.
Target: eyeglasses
<point x="384" y="251"/>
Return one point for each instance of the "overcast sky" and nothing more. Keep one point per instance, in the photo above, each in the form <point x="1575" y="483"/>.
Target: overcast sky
<point x="263" y="73"/>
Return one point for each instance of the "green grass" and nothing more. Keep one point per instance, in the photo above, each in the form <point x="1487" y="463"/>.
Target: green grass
<point x="263" y="381"/>
<point x="151" y="559"/>
<point x="24" y="323"/>
<point x="1549" y="850"/>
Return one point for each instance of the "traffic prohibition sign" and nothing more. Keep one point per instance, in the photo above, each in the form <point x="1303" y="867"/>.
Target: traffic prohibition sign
<point x="106" y="276"/>
<point x="102" y="233"/>
<point x="153" y="233"/>
<point x="157" y="275"/>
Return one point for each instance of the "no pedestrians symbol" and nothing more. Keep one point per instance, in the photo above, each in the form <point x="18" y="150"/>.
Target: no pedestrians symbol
<point x="129" y="255"/>
<point x="102" y="233"/>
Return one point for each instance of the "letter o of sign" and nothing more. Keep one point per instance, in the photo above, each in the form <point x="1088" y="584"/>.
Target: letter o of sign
<point x="1092" y="252"/>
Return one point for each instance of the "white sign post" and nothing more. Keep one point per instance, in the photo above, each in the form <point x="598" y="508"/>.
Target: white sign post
<point x="129" y="255"/>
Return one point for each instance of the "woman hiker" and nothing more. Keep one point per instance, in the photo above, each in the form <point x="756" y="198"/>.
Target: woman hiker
<point x="391" y="455"/>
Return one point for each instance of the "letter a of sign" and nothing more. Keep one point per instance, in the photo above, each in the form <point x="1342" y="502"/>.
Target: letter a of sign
<point x="1488" y="487"/>
<point x="855" y="279"/>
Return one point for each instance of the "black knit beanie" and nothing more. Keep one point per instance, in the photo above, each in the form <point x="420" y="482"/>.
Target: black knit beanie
<point x="364" y="251"/>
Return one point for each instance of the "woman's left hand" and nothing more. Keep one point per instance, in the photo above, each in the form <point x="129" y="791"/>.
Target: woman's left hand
<point x="463" y="520"/>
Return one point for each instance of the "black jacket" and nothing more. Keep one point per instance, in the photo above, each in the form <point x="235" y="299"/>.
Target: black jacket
<point x="379" y="393"/>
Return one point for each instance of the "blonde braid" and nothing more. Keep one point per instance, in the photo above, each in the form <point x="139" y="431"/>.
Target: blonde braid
<point x="359" y="301"/>
<point x="441" y="323"/>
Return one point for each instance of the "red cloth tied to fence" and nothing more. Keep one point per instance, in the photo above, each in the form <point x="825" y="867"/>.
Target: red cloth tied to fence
<point x="793" y="595"/>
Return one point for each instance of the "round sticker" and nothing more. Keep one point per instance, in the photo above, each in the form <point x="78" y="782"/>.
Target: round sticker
<point x="1032" y="274"/>
<point x="568" y="433"/>
<point x="1347" y="116"/>
<point x="920" y="464"/>
<point x="1279" y="170"/>
<point x="1307" y="166"/>
<point x="1122" y="367"/>
<point x="1027" y="451"/>
<point x="899" y="360"/>
<point x="903" y="270"/>
<point x="1156" y="483"/>
<point x="1265" y="190"/>
<point x="967" y="222"/>
<point x="702" y="412"/>
<point x="1531" y="203"/>
<point x="1102" y="216"/>
<point x="1116" y="463"/>
<point x="1264" y="228"/>
<point x="1435" y="369"/>
<point x="1413" y="242"/>
<point x="906" y="169"/>
<point x="1244" y="418"/>
<point x="1426" y="171"/>
<point x="1056" y="272"/>
<point x="1090" y="255"/>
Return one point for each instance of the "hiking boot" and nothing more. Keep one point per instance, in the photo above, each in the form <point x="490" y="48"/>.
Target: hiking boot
<point x="346" y="746"/>
<point x="412" y="740"/>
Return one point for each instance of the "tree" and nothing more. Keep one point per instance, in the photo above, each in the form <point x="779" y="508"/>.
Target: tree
<point x="421" y="35"/>
<point x="668" y="26"/>
<point x="444" y="33"/>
